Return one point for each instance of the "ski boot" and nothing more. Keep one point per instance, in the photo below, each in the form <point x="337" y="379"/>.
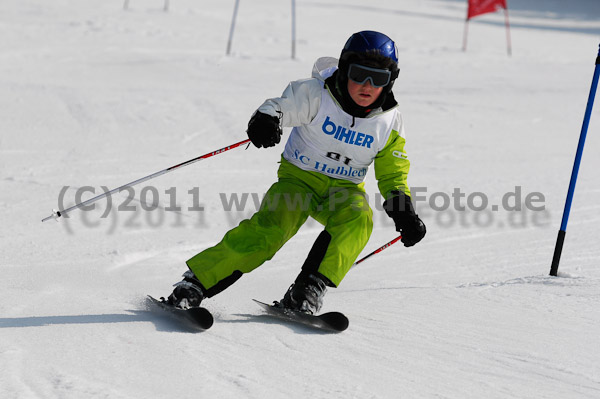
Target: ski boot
<point x="306" y="293"/>
<point x="188" y="293"/>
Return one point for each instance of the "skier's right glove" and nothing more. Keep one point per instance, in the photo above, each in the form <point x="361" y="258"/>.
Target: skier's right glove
<point x="399" y="207"/>
<point x="264" y="130"/>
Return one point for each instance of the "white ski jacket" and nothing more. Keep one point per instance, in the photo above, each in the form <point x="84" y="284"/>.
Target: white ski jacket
<point x="327" y="140"/>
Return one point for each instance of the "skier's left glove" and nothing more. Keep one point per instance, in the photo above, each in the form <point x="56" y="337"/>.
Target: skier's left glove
<point x="264" y="130"/>
<point x="399" y="207"/>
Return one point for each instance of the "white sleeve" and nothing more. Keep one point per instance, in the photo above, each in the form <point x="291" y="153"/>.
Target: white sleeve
<point x="298" y="105"/>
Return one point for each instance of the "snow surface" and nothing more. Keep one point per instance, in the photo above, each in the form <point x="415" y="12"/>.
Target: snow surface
<point x="94" y="95"/>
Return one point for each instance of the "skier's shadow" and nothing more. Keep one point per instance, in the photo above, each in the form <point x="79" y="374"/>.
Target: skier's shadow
<point x="41" y="321"/>
<point x="161" y="322"/>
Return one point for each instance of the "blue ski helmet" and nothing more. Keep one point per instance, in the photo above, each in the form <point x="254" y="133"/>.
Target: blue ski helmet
<point x="372" y="49"/>
<point x="371" y="41"/>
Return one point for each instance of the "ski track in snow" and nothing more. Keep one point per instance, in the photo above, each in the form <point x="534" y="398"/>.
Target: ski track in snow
<point x="93" y="95"/>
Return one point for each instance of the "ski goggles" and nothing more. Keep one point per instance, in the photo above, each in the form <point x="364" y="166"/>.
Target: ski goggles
<point x="360" y="74"/>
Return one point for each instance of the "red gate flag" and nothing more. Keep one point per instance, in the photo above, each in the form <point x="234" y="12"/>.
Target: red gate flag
<point x="478" y="7"/>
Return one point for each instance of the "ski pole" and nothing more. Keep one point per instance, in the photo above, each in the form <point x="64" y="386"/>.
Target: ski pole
<point x="560" y="239"/>
<point x="57" y="213"/>
<point x="389" y="244"/>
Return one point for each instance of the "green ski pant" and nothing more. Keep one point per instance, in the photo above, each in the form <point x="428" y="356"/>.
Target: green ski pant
<point x="341" y="206"/>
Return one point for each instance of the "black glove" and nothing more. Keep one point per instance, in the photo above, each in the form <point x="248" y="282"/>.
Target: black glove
<point x="264" y="130"/>
<point x="399" y="207"/>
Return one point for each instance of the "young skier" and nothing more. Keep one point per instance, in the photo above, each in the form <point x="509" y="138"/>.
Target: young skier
<point x="344" y="118"/>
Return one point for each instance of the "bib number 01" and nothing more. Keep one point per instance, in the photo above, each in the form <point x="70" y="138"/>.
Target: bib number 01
<point x="338" y="157"/>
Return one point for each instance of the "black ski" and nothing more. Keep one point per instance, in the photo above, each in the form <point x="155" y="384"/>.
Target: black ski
<point x="330" y="321"/>
<point x="199" y="317"/>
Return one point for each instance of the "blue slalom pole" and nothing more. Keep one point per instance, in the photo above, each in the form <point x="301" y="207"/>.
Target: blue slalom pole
<point x="565" y="219"/>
